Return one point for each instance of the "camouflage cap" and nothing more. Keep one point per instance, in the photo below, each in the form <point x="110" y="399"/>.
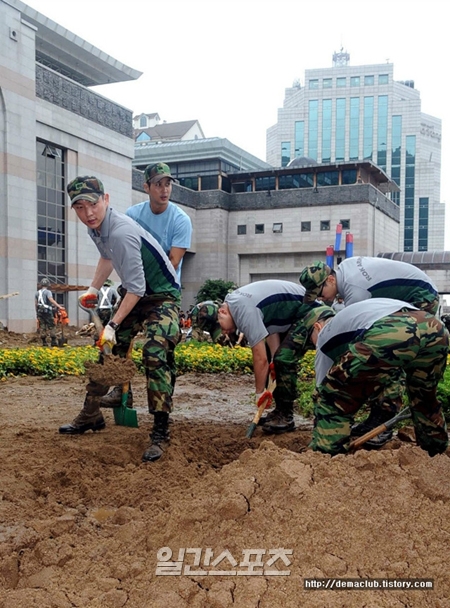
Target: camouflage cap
<point x="155" y="173"/>
<point x="312" y="278"/>
<point x="86" y="188"/>
<point x="205" y="316"/>
<point x="317" y="313"/>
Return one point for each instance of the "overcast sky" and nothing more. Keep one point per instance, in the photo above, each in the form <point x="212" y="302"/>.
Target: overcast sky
<point x="227" y="63"/>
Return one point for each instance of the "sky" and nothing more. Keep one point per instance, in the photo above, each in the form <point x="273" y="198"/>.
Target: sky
<point x="227" y="63"/>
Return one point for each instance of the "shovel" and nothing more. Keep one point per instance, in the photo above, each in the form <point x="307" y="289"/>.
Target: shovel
<point x="262" y="407"/>
<point x="360" y="441"/>
<point x="123" y="415"/>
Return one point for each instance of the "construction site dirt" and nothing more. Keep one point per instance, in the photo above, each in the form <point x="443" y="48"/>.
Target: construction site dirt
<point x="220" y="520"/>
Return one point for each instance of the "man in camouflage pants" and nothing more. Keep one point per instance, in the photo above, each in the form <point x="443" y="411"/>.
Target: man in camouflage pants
<point x="271" y="315"/>
<point x="360" y="278"/>
<point x="150" y="299"/>
<point x="359" y="352"/>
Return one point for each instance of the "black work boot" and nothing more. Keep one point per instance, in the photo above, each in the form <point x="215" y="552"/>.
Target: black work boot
<point x="114" y="398"/>
<point x="159" y="438"/>
<point x="281" y="419"/>
<point x="89" y="419"/>
<point x="376" y="417"/>
<point x="268" y="417"/>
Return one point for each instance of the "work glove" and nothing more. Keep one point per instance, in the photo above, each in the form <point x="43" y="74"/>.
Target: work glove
<point x="108" y="337"/>
<point x="260" y="398"/>
<point x="89" y="299"/>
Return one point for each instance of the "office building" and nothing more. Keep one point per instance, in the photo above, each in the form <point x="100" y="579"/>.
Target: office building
<point x="357" y="113"/>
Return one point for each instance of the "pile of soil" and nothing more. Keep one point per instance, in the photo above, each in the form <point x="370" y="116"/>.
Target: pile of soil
<point x="83" y="523"/>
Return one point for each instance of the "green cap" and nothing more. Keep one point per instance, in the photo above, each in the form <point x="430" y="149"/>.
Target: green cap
<point x="312" y="278"/>
<point x="155" y="173"/>
<point x="86" y="188"/>
<point x="318" y="313"/>
<point x="205" y="316"/>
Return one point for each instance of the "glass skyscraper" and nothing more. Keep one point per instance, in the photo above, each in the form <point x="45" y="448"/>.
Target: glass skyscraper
<point x="346" y="113"/>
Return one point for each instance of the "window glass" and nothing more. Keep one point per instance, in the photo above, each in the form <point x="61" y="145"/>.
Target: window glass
<point x="306" y="227"/>
<point x="327" y="83"/>
<point x="349" y="176"/>
<point x="369" y="81"/>
<point x="324" y="225"/>
<point x="51" y="214"/>
<point x="345" y="224"/>
<point x="383" y="79"/>
<point x="314" y="84"/>
<point x="259" y="228"/>
<point x="355" y="81"/>
<point x="341" y="82"/>
<point x="277" y="227"/>
<point x="328" y="178"/>
<point x="242" y="229"/>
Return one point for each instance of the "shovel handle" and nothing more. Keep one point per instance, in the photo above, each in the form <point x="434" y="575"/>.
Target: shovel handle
<point x="251" y="429"/>
<point x="357" y="443"/>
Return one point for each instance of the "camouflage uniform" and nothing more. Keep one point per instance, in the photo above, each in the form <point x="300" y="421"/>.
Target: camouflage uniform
<point x="359" y="278"/>
<point x="412" y="340"/>
<point x="204" y="318"/>
<point x="159" y="321"/>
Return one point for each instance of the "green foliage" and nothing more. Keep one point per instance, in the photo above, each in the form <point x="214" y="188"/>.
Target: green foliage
<point x="198" y="357"/>
<point x="214" y="289"/>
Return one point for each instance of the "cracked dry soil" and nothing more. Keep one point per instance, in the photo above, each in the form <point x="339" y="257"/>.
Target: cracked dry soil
<point x="82" y="520"/>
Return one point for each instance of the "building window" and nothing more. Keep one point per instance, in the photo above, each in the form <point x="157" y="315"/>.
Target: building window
<point x="327" y="83"/>
<point x="355" y="81"/>
<point x="314" y="84"/>
<point x="341" y="82"/>
<point x="277" y="227"/>
<point x="299" y="138"/>
<point x="264" y="183"/>
<point x="242" y="229"/>
<point x="51" y="215"/>
<point x="324" y="225"/>
<point x="328" y="178"/>
<point x="345" y="224"/>
<point x="305" y="227"/>
<point x="326" y="130"/>
<point x="259" y="228"/>
<point x="285" y="153"/>
<point x="313" y="117"/>
<point x="348" y="176"/>
<point x="369" y="81"/>
<point x="340" y="128"/>
<point x="383" y="79"/>
<point x="143" y="122"/>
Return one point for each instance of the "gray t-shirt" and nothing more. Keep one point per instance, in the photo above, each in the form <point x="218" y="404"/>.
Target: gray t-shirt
<point x="342" y="329"/>
<point x="266" y="307"/>
<point x="360" y="278"/>
<point x="136" y="256"/>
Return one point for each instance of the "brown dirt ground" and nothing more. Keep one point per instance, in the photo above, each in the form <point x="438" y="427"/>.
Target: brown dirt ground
<point x="82" y="520"/>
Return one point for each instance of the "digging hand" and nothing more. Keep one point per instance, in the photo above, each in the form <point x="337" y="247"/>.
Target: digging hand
<point x="89" y="299"/>
<point x="107" y="338"/>
<point x="265" y="396"/>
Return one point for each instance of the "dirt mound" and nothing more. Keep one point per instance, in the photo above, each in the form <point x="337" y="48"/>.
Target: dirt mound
<point x="83" y="523"/>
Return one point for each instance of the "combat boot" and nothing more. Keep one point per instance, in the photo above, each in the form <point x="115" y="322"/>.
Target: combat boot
<point x="114" y="398"/>
<point x="159" y="438"/>
<point x="376" y="417"/>
<point x="89" y="419"/>
<point x="281" y="419"/>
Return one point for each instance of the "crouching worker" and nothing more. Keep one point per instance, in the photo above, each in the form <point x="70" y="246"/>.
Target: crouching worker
<point x="150" y="302"/>
<point x="272" y="312"/>
<point x="359" y="351"/>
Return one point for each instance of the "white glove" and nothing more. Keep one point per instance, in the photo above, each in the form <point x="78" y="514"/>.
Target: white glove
<point x="89" y="299"/>
<point x="108" y="336"/>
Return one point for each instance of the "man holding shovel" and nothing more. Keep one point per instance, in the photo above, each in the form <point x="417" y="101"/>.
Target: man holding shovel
<point x="360" y="278"/>
<point x="168" y="224"/>
<point x="150" y="293"/>
<point x="272" y="312"/>
<point x="358" y="353"/>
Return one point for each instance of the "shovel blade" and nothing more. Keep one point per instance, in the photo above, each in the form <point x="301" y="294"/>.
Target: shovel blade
<point x="126" y="416"/>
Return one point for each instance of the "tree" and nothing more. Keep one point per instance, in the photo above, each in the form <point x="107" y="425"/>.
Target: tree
<point x="214" y="289"/>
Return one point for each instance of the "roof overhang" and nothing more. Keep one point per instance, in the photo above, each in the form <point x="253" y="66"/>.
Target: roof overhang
<point x="68" y="54"/>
